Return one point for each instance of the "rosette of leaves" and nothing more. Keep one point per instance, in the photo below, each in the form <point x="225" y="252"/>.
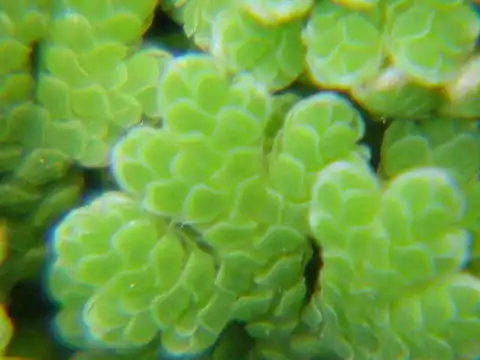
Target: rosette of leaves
<point x="344" y="46"/>
<point x="236" y="33"/>
<point x="453" y="145"/>
<point x="430" y="40"/>
<point x="206" y="117"/>
<point x="272" y="53"/>
<point x="317" y="130"/>
<point x="124" y="279"/>
<point x="207" y="168"/>
<point x="380" y="54"/>
<point x="392" y="284"/>
<point x="91" y="84"/>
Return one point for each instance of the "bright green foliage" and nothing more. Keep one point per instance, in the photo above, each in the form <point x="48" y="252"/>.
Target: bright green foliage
<point x="21" y="24"/>
<point x="317" y="130"/>
<point x="272" y="54"/>
<point x="419" y="48"/>
<point x="376" y="50"/>
<point x="90" y="90"/>
<point x="453" y="145"/>
<point x="344" y="46"/>
<point x="392" y="285"/>
<point x="210" y="142"/>
<point x="127" y="276"/>
<point x="277" y="11"/>
<point x="211" y="175"/>
<point x="452" y="28"/>
<point x="450" y="144"/>
<point x="22" y="172"/>
<point x="235" y="214"/>
<point x="392" y="94"/>
<point x="207" y="171"/>
<point x="53" y="105"/>
<point x="347" y="47"/>
<point x="205" y="168"/>
<point x="35" y="184"/>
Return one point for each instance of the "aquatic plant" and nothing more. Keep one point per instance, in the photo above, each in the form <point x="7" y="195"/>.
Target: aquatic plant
<point x="219" y="179"/>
